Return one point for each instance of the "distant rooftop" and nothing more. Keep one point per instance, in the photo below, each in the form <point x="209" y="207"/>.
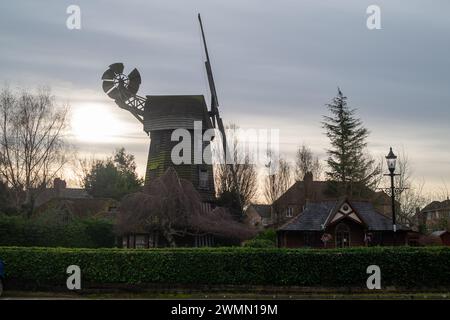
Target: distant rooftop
<point x="437" y="205"/>
<point x="58" y="191"/>
<point x="263" y="210"/>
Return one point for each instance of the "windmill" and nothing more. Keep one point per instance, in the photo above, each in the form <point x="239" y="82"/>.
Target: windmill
<point x="161" y="115"/>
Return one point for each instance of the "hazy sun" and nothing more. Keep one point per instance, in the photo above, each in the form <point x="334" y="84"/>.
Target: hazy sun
<point x="95" y="123"/>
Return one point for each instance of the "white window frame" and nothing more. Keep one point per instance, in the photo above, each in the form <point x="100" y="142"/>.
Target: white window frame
<point x="289" y="212"/>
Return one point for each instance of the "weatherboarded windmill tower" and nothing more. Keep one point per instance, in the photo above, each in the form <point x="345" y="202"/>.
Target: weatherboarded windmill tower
<point x="161" y="115"/>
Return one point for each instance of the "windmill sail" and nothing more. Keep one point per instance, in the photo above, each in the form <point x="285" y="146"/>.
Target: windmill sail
<point x="215" y="116"/>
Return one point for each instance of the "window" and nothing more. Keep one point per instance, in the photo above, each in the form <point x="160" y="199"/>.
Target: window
<point x="131" y="241"/>
<point x="342" y="236"/>
<point x="308" y="238"/>
<point x="289" y="212"/>
<point x="206" y="240"/>
<point x="156" y="142"/>
<point x="125" y="242"/>
<point x="153" y="240"/>
<point x="140" y="242"/>
<point x="203" y="178"/>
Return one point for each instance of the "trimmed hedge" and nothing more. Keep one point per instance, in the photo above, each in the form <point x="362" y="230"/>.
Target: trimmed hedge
<point x="259" y="243"/>
<point x="401" y="267"/>
<point x="85" y="233"/>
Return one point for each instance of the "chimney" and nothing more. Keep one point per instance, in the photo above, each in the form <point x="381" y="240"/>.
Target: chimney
<point x="308" y="183"/>
<point x="59" y="184"/>
<point x="308" y="177"/>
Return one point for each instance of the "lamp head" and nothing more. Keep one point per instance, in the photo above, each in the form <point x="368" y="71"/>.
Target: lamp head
<point x="391" y="160"/>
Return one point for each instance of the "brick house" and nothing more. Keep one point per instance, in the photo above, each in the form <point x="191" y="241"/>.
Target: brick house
<point x="293" y="201"/>
<point x="342" y="223"/>
<point x="70" y="203"/>
<point x="435" y="216"/>
<point x="59" y="190"/>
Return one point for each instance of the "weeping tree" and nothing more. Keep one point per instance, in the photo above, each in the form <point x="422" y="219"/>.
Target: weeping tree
<point x="172" y="206"/>
<point x="33" y="150"/>
<point x="351" y="170"/>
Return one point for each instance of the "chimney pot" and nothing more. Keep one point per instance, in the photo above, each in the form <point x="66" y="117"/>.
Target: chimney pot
<point x="59" y="184"/>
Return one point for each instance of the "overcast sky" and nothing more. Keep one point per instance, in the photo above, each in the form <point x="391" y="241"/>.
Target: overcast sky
<point x="276" y="65"/>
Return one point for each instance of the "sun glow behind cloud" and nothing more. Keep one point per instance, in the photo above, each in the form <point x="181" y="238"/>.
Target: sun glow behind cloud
<point x="94" y="122"/>
<point x="273" y="69"/>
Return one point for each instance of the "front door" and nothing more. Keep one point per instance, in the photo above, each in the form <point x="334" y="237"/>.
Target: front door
<point x="342" y="236"/>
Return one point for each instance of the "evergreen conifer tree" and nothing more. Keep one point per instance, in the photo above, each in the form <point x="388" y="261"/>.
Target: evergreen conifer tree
<point x="350" y="169"/>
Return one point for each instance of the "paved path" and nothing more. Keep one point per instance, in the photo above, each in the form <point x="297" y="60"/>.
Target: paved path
<point x="13" y="295"/>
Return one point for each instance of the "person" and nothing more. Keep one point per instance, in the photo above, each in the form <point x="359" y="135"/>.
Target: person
<point x="2" y="276"/>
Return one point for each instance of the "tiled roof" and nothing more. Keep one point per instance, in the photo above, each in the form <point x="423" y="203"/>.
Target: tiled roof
<point x="315" y="216"/>
<point x="297" y="190"/>
<point x="262" y="209"/>
<point x="81" y="208"/>
<point x="439" y="233"/>
<point x="320" y="191"/>
<point x="46" y="195"/>
<point x="436" y="205"/>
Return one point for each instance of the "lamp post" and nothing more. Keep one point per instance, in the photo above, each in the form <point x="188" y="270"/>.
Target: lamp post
<point x="391" y="160"/>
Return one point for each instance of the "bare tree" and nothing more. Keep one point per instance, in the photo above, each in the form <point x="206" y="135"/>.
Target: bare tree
<point x="277" y="181"/>
<point x="411" y="196"/>
<point x="306" y="161"/>
<point x="441" y="193"/>
<point x="32" y="145"/>
<point x="278" y="178"/>
<point x="238" y="177"/>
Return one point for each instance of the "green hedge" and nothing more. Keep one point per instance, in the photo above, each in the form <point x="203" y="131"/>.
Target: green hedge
<point x="265" y="239"/>
<point x="403" y="267"/>
<point x="90" y="233"/>
<point x="259" y="243"/>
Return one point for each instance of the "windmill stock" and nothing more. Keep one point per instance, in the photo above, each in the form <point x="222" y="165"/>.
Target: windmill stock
<point x="160" y="115"/>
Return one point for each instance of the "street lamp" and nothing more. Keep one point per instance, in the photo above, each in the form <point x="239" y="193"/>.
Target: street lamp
<point x="391" y="160"/>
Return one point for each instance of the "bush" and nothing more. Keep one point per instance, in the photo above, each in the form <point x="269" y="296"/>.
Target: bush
<point x="87" y="233"/>
<point x="259" y="243"/>
<point x="402" y="267"/>
<point x="268" y="234"/>
<point x="265" y="239"/>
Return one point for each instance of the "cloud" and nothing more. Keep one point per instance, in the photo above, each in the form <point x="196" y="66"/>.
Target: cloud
<point x="276" y="64"/>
